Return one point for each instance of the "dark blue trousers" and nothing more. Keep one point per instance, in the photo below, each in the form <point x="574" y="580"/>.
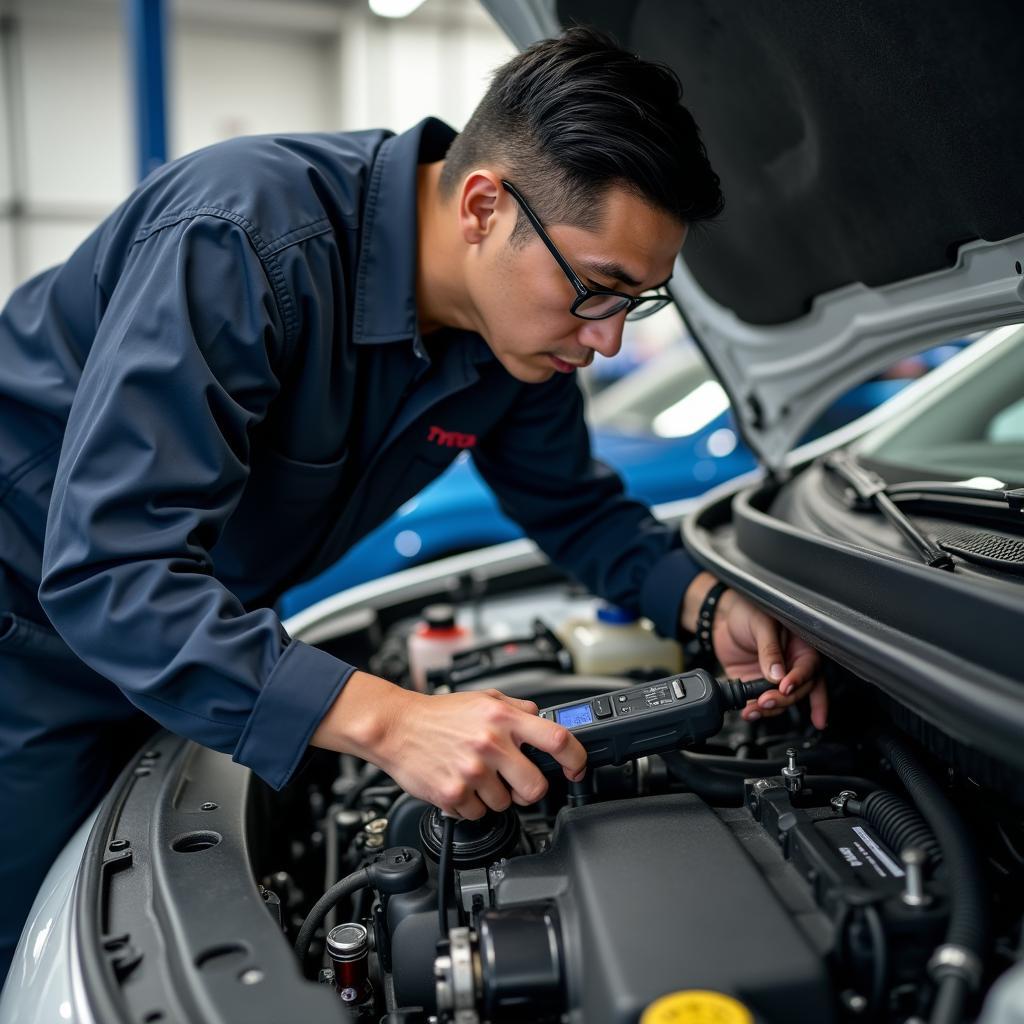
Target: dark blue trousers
<point x="64" y="734"/>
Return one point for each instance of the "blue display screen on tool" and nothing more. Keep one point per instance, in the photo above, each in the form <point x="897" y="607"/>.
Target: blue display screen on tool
<point x="574" y="716"/>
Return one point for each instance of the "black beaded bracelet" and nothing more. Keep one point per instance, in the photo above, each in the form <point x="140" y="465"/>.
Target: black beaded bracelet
<point x="706" y="618"/>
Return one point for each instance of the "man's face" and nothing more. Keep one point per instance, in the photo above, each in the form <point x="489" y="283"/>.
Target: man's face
<point x="523" y="297"/>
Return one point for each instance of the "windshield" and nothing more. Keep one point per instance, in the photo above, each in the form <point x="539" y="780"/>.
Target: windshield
<point x="970" y="427"/>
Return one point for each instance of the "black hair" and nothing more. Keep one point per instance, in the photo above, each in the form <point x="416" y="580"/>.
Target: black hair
<point x="571" y="117"/>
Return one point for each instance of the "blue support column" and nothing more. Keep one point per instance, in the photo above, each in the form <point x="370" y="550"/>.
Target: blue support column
<point x="147" y="34"/>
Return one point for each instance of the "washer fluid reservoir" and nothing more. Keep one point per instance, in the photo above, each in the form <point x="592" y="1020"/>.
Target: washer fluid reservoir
<point x="615" y="641"/>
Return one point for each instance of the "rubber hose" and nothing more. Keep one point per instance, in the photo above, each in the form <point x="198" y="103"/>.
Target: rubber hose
<point x="749" y="766"/>
<point x="717" y="788"/>
<point x="759" y="766"/>
<point x="968" y="917"/>
<point x="724" y="789"/>
<point x="839" y="782"/>
<point x="880" y="961"/>
<point x="323" y="906"/>
<point x="898" y="824"/>
<point x="948" y="1007"/>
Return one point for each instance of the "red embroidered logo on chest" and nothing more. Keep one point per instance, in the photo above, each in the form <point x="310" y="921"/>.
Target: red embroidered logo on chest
<point x="451" y="438"/>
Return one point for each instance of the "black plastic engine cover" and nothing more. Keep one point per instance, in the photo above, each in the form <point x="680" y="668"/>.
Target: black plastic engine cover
<point x="657" y="896"/>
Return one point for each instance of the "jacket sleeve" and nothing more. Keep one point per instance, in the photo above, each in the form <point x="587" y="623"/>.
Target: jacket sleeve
<point x="154" y="460"/>
<point x="538" y="463"/>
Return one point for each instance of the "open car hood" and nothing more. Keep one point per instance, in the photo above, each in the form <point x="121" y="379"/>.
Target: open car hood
<point x="870" y="156"/>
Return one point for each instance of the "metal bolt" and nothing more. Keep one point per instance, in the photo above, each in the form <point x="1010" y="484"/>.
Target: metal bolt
<point x="914" y="860"/>
<point x="253" y="976"/>
<point x="208" y="806"/>
<point x="793" y="774"/>
<point x="118" y="845"/>
<point x="374" y="842"/>
<point x="377" y="827"/>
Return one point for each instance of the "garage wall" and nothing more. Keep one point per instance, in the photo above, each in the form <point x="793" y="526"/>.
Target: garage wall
<point x="6" y="157"/>
<point x="236" y="67"/>
<point x="396" y="72"/>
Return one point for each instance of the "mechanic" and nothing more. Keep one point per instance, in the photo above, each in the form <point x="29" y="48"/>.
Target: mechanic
<point x="269" y="347"/>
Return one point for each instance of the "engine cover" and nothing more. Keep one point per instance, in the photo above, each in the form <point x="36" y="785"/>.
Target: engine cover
<point x="658" y="896"/>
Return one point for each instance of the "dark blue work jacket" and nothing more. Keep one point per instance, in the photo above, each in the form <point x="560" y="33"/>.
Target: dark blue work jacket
<point x="222" y="390"/>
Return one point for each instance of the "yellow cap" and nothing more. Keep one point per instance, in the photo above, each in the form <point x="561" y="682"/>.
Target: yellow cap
<point x="696" y="1006"/>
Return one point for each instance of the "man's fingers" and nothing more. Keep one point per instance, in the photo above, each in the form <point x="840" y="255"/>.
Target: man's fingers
<point x="553" y="739"/>
<point x="804" y="665"/>
<point x="471" y="808"/>
<point x="468" y="806"/>
<point x="529" y="706"/>
<point x="819" y="706"/>
<point x="751" y="713"/>
<point x="771" y="699"/>
<point x="494" y="793"/>
<point x="769" y="648"/>
<point x="768" y="705"/>
<point x="522" y="777"/>
<point x="773" y="703"/>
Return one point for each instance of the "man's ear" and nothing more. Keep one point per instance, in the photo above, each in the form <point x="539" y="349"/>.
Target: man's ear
<point x="481" y="198"/>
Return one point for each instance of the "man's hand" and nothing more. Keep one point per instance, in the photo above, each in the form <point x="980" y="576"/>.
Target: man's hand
<point x="750" y="643"/>
<point x="458" y="751"/>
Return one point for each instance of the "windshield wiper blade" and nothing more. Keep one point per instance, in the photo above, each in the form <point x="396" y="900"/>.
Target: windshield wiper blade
<point x="953" y="493"/>
<point x="868" y="491"/>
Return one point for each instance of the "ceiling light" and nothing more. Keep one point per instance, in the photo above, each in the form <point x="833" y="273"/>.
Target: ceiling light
<point x="394" y="8"/>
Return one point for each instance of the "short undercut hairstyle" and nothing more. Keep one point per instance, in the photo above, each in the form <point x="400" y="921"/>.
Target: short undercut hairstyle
<point x="572" y="117"/>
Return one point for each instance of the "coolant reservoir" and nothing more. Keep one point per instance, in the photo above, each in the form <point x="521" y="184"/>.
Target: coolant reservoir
<point x="617" y="641"/>
<point x="433" y="642"/>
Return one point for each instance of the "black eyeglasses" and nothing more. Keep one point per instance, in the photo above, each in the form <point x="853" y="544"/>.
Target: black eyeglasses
<point x="592" y="303"/>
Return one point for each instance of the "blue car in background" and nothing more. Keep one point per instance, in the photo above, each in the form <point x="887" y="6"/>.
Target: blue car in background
<point x="666" y="427"/>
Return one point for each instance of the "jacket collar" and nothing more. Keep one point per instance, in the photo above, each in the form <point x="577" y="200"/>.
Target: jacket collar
<point x="385" y="292"/>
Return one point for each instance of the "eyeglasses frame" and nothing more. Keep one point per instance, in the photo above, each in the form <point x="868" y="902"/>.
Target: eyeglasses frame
<point x="630" y="302"/>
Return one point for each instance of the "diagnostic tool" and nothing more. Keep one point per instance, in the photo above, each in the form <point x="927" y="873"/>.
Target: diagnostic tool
<point x="649" y="718"/>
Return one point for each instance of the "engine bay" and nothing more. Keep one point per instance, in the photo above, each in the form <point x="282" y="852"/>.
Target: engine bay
<point x="767" y="873"/>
